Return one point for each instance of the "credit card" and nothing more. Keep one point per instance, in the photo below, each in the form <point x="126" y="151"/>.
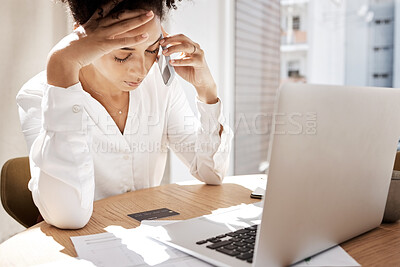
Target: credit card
<point x="153" y="214"/>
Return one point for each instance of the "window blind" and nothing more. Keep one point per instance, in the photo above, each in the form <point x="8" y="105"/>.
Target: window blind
<point x="257" y="71"/>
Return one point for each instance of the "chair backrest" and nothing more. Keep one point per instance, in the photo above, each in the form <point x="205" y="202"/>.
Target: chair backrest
<point x="396" y="166"/>
<point x="15" y="195"/>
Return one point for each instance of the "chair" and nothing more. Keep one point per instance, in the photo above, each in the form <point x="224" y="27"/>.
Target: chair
<point x="396" y="166"/>
<point x="15" y="195"/>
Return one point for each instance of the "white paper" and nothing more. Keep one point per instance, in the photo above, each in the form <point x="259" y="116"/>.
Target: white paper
<point x="133" y="247"/>
<point x="335" y="256"/>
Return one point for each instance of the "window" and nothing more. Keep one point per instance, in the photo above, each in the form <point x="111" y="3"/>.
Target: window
<point x="381" y="75"/>
<point x="293" y="68"/>
<point x="385" y="48"/>
<point x="383" y="21"/>
<point x="257" y="78"/>
<point x="296" y="23"/>
<point x="354" y="42"/>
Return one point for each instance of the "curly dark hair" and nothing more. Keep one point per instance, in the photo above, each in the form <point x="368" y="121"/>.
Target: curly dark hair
<point x="82" y="10"/>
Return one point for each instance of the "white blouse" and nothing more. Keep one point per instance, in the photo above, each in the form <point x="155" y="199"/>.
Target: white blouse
<point x="78" y="154"/>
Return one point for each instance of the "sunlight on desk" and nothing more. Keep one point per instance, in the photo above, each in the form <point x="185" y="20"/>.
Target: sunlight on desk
<point x="251" y="181"/>
<point x="37" y="238"/>
<point x="136" y="240"/>
<point x="45" y="241"/>
<point x="69" y="262"/>
<point x="224" y="219"/>
<point x="248" y="215"/>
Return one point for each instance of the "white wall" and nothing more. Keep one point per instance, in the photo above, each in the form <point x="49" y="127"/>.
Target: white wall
<point x="211" y="24"/>
<point x="326" y="39"/>
<point x="29" y="29"/>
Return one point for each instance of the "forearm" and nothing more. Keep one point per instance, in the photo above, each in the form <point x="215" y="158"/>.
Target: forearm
<point x="56" y="156"/>
<point x="208" y="94"/>
<point x="205" y="146"/>
<point x="62" y="72"/>
<point x="62" y="182"/>
<point x="213" y="144"/>
<point x="62" y="170"/>
<point x="60" y="204"/>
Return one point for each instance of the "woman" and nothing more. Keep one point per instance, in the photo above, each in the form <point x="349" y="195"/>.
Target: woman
<point x="99" y="120"/>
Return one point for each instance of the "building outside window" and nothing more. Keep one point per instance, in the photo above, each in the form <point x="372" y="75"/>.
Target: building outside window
<point x="296" y="23"/>
<point x="293" y="69"/>
<point x="347" y="42"/>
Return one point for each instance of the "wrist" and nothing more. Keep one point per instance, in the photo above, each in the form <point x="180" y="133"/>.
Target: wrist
<point x="207" y="94"/>
<point x="62" y="72"/>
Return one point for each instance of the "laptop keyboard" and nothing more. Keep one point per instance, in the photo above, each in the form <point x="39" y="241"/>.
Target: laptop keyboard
<point x="239" y="244"/>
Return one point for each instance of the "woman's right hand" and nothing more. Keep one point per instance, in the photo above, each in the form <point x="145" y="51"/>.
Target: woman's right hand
<point x="100" y="35"/>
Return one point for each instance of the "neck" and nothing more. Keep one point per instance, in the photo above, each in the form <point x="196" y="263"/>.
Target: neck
<point x="92" y="80"/>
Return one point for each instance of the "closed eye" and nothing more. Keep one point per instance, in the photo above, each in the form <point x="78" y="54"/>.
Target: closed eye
<point x="122" y="60"/>
<point x="154" y="51"/>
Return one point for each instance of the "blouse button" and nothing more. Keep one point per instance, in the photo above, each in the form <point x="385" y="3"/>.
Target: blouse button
<point x="76" y="108"/>
<point x="126" y="157"/>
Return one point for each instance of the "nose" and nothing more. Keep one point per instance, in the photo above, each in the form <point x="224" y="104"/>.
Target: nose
<point x="138" y="68"/>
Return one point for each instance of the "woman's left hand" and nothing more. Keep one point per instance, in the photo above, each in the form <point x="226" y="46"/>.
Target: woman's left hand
<point x="192" y="67"/>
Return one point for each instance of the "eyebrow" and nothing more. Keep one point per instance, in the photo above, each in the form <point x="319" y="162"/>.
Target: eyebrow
<point x="131" y="49"/>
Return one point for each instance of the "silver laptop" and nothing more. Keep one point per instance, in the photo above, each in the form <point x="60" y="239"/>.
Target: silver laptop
<point x="331" y="157"/>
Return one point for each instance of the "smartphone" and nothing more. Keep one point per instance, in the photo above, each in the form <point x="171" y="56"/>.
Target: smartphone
<point x="167" y="71"/>
<point x="258" y="193"/>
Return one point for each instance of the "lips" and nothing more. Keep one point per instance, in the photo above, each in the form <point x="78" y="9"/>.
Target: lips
<point x="132" y="84"/>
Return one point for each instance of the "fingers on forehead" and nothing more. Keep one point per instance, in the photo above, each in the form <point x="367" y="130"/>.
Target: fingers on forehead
<point x="131" y="33"/>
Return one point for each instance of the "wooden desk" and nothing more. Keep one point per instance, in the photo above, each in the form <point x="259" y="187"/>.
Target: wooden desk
<point x="43" y="243"/>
